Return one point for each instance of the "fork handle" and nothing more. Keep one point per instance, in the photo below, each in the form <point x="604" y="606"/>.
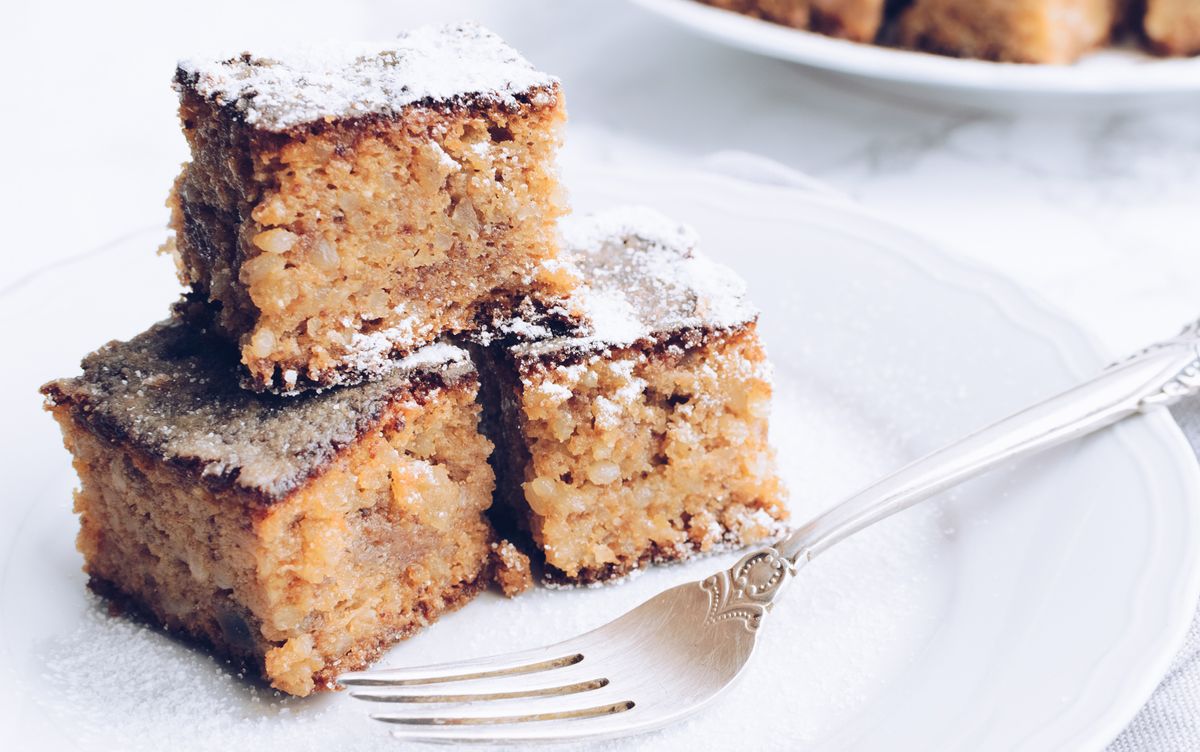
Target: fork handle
<point x="1159" y="375"/>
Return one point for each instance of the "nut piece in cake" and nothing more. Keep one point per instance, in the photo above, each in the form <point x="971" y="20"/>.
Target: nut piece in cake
<point x="345" y="205"/>
<point x="642" y="435"/>
<point x="1173" y="26"/>
<point x="299" y="536"/>
<point x="1016" y="31"/>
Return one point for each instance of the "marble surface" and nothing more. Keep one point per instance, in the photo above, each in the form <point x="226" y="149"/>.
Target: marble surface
<point x="1092" y="205"/>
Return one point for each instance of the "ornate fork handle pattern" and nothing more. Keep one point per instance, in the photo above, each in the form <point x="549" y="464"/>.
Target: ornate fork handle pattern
<point x="1156" y="376"/>
<point x="745" y="591"/>
<point x="1187" y="381"/>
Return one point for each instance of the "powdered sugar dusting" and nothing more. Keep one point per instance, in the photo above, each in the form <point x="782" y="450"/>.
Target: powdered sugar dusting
<point x="433" y="356"/>
<point x="644" y="278"/>
<point x="457" y="64"/>
<point x="591" y="232"/>
<point x="613" y="318"/>
<point x="172" y="393"/>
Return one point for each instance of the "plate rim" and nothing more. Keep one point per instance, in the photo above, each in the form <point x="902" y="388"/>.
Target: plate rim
<point x="1153" y="76"/>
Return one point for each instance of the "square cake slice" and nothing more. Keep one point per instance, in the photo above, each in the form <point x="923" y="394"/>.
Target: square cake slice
<point x="347" y="204"/>
<point x="1173" y="26"/>
<point x="1015" y="31"/>
<point x="297" y="536"/>
<point x="857" y="20"/>
<point x="794" y="13"/>
<point x="640" y="436"/>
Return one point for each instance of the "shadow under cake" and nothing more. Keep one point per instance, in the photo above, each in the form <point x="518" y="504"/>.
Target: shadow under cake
<point x="301" y="536"/>
<point x="641" y="435"/>
<point x="345" y="205"/>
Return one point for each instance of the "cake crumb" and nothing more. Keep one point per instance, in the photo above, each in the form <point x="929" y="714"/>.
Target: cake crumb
<point x="511" y="569"/>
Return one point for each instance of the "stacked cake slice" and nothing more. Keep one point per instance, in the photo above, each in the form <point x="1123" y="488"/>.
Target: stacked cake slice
<point x="640" y="433"/>
<point x="298" y="466"/>
<point x="346" y="205"/>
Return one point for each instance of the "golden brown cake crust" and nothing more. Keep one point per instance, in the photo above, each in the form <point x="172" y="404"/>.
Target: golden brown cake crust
<point x="645" y="286"/>
<point x="456" y="65"/>
<point x="171" y="394"/>
<point x="300" y="581"/>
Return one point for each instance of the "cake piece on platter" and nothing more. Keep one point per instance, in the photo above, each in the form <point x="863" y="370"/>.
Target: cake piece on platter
<point x="347" y="204"/>
<point x="1173" y="26"/>
<point x="1015" y="31"/>
<point x="857" y="20"/>
<point x="299" y="536"/>
<point x="641" y="435"/>
<point x="794" y="13"/>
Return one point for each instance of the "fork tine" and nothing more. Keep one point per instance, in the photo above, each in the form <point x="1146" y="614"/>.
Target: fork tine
<point x="444" y="697"/>
<point x="514" y="664"/>
<point x="606" y="719"/>
<point x="585" y="711"/>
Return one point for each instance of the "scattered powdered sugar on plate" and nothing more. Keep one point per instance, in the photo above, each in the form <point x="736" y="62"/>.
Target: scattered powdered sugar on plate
<point x="456" y="63"/>
<point x="127" y="686"/>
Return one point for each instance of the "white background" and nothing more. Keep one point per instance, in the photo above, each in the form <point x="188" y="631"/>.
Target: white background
<point x="1095" y="206"/>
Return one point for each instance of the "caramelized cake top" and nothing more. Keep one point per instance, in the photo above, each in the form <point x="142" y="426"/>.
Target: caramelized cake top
<point x="172" y="393"/>
<point x="455" y="64"/>
<point x="644" y="282"/>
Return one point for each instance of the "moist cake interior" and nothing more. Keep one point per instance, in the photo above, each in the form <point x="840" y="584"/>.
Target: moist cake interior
<point x="301" y="536"/>
<point x="641" y="435"/>
<point x="344" y="206"/>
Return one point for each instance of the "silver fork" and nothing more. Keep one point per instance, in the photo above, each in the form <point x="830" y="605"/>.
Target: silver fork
<point x="678" y="651"/>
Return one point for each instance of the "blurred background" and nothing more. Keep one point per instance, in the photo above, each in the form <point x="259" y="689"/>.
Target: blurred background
<point x="1091" y="202"/>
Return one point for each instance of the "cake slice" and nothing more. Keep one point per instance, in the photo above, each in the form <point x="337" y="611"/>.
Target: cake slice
<point x="347" y="204"/>
<point x="1016" y="31"/>
<point x="641" y="436"/>
<point x="857" y="20"/>
<point x="298" y="536"/>
<point x="1173" y="26"/>
<point x="794" y="13"/>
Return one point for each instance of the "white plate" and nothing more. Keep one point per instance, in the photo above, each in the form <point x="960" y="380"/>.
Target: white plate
<point x="1110" y="73"/>
<point x="1034" y="609"/>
